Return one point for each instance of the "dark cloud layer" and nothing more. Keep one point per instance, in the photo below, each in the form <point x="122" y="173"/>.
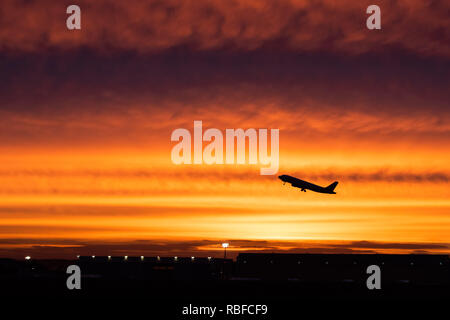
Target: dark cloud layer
<point x="85" y="80"/>
<point x="179" y="59"/>
<point x="174" y="61"/>
<point x="355" y="175"/>
<point x="70" y="248"/>
<point x="81" y="95"/>
<point x="417" y="26"/>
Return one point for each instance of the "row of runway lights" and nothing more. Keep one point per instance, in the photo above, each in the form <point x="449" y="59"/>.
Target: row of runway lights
<point x="142" y="258"/>
<point x="225" y="245"/>
<point x="125" y="258"/>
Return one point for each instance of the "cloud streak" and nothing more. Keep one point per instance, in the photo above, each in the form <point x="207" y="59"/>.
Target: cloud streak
<point x="384" y="175"/>
<point x="203" y="248"/>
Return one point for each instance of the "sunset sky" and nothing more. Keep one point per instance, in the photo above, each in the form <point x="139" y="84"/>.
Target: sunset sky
<point x="86" y="118"/>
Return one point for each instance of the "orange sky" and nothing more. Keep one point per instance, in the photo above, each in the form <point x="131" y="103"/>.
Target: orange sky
<point x="109" y="196"/>
<point x="86" y="119"/>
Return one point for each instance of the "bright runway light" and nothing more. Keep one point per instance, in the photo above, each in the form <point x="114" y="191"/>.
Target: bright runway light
<point x="126" y="257"/>
<point x="225" y="246"/>
<point x="27" y="258"/>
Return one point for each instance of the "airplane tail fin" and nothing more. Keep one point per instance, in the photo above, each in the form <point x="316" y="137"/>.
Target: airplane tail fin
<point x="332" y="186"/>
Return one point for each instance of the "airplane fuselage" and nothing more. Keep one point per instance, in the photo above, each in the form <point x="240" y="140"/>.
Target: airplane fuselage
<point x="305" y="185"/>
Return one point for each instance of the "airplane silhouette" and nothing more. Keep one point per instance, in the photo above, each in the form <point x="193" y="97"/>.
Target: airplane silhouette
<point x="303" y="185"/>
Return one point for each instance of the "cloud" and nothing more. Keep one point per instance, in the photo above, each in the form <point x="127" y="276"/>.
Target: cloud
<point x="156" y="180"/>
<point x="62" y="248"/>
<point x="81" y="96"/>
<point x="417" y="26"/>
<point x="385" y="175"/>
<point x="245" y="174"/>
<point x="383" y="245"/>
<point x="146" y="67"/>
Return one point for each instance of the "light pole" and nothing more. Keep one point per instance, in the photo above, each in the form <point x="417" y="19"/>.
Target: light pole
<point x="225" y="246"/>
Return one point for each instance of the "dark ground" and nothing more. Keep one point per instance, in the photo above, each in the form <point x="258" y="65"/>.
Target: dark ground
<point x="321" y="283"/>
